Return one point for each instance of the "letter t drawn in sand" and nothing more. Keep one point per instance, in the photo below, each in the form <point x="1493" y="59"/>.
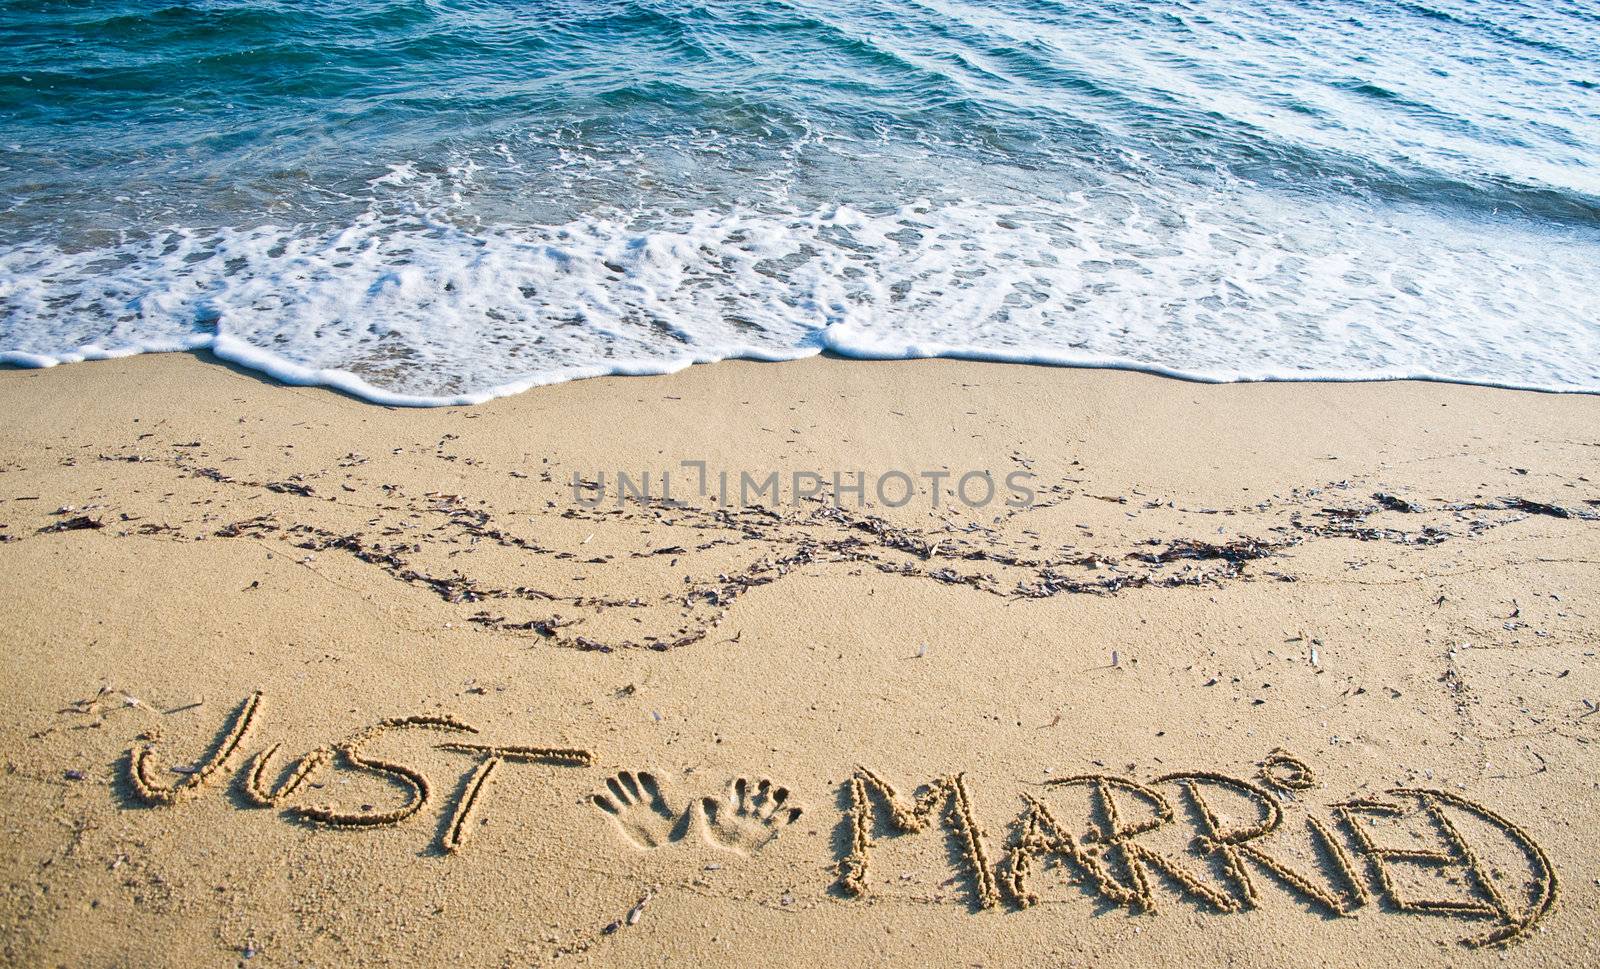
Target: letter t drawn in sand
<point x="458" y="828"/>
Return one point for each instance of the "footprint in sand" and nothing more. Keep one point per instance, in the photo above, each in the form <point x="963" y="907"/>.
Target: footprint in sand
<point x="746" y="818"/>
<point x="635" y="804"/>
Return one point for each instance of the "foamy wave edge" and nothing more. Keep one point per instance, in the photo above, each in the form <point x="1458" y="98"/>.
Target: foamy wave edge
<point x="240" y="353"/>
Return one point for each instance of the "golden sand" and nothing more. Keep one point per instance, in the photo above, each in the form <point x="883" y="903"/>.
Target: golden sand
<point x="1267" y="675"/>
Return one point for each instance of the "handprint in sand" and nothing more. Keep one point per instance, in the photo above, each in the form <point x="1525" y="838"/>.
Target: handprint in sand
<point x="746" y="818"/>
<point x="635" y="803"/>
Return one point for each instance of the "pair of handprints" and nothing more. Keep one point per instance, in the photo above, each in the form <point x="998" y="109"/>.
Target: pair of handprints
<point x="745" y="818"/>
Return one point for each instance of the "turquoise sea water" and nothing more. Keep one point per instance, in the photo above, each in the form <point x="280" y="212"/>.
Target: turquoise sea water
<point x="434" y="201"/>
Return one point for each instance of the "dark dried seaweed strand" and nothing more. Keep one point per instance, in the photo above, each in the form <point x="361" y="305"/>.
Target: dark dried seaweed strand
<point x="865" y="538"/>
<point x="458" y="827"/>
<point x="153" y="792"/>
<point x="1548" y="893"/>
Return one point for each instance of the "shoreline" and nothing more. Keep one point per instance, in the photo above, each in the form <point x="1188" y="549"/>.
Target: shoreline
<point x="1307" y="602"/>
<point x="281" y="372"/>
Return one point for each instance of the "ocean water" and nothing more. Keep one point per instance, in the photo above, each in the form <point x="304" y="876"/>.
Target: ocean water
<point x="439" y="201"/>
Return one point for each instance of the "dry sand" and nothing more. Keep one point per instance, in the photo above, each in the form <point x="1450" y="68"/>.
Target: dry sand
<point x="1207" y="578"/>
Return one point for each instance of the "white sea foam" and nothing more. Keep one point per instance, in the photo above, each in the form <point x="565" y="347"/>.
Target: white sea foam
<point x="460" y="204"/>
<point x="416" y="309"/>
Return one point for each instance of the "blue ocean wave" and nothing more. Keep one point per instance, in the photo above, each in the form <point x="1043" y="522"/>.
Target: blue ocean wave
<point x="432" y="200"/>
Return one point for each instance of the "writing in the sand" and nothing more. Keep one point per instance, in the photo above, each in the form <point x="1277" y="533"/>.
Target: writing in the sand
<point x="1407" y="851"/>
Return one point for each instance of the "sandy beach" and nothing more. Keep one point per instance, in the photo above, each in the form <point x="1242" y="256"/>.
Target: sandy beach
<point x="1258" y="674"/>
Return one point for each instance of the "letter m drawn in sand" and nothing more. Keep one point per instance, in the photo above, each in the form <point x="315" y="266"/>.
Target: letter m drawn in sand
<point x="948" y="792"/>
